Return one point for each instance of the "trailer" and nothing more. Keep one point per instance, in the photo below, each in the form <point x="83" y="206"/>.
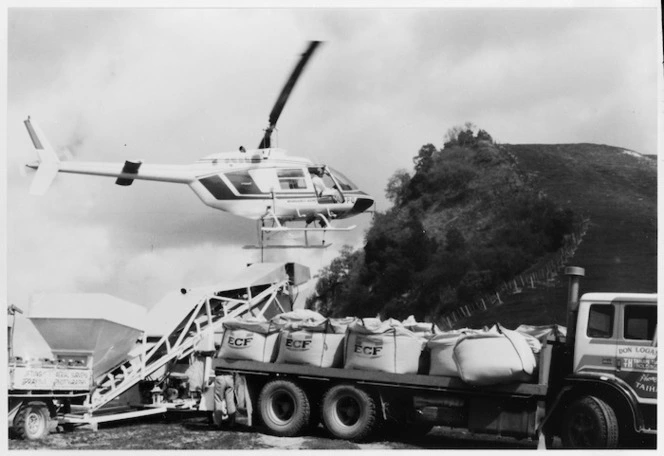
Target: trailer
<point x="596" y="388"/>
<point x="113" y="360"/>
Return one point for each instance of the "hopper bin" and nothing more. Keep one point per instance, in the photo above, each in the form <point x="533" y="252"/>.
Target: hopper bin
<point x="78" y="325"/>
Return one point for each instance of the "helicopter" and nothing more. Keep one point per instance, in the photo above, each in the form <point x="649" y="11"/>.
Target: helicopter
<point x="264" y="184"/>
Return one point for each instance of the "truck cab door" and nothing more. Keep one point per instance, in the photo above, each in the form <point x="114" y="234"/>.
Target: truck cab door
<point x="596" y="341"/>
<point x="637" y="349"/>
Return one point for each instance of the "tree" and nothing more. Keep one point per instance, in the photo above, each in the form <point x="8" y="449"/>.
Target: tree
<point x="466" y="139"/>
<point x="452" y="135"/>
<point x="459" y="135"/>
<point x="397" y="187"/>
<point x="332" y="280"/>
<point x="482" y="135"/>
<point x="454" y="240"/>
<point x="424" y="158"/>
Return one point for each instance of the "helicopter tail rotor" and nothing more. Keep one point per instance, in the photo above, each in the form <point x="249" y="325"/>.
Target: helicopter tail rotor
<point x="285" y="93"/>
<point x="49" y="163"/>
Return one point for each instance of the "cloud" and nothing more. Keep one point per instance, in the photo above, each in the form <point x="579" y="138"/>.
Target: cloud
<point x="172" y="85"/>
<point x="47" y="256"/>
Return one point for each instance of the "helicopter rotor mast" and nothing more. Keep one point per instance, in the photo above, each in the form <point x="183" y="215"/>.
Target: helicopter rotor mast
<point x="266" y="142"/>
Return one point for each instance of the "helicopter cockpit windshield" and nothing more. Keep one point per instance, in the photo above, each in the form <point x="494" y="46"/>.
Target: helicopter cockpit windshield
<point x="333" y="178"/>
<point x="345" y="183"/>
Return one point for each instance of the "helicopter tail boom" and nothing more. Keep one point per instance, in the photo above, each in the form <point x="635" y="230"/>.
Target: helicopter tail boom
<point x="49" y="165"/>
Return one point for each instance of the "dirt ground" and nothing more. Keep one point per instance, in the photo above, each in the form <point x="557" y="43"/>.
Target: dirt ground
<point x="195" y="433"/>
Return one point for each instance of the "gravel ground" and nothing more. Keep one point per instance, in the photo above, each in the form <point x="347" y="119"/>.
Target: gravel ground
<point x="196" y="433"/>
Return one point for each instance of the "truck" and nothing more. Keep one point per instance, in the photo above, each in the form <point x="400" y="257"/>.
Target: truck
<point x="597" y="388"/>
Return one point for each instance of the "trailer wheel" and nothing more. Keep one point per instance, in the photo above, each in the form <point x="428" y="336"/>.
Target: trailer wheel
<point x="32" y="421"/>
<point x="589" y="422"/>
<point x="284" y="408"/>
<point x="349" y="413"/>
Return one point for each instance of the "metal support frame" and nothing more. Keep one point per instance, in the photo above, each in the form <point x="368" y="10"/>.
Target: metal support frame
<point x="71" y="418"/>
<point x="199" y="322"/>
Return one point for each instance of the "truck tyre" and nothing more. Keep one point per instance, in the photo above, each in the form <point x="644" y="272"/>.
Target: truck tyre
<point x="32" y="421"/>
<point x="284" y="408"/>
<point x="589" y="422"/>
<point x="349" y="413"/>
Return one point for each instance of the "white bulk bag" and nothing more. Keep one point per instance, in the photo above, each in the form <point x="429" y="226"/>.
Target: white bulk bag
<point x="426" y="330"/>
<point x="441" y="348"/>
<point x="250" y="338"/>
<point x="382" y="346"/>
<point x="335" y="340"/>
<point x="309" y="338"/>
<point x="494" y="357"/>
<point x="544" y="333"/>
<point x="299" y="316"/>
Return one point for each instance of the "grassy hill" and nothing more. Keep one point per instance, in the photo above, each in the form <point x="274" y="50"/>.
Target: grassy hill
<point x="617" y="191"/>
<point x="475" y="215"/>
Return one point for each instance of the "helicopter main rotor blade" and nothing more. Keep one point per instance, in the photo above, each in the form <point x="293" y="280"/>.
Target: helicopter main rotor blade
<point x="285" y="93"/>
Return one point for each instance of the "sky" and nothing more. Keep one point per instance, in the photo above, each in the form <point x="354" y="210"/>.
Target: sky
<point x="171" y="85"/>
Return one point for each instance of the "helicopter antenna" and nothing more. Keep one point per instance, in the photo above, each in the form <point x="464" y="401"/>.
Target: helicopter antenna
<point x="285" y="93"/>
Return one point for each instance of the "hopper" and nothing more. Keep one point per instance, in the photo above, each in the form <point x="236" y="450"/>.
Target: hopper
<point x="83" y="324"/>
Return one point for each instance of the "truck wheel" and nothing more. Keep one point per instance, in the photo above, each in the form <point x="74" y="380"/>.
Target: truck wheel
<point x="349" y="413"/>
<point x="589" y="422"/>
<point x="284" y="408"/>
<point x="32" y="421"/>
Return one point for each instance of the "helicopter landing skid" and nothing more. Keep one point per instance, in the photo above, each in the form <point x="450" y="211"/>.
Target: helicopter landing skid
<point x="286" y="246"/>
<point x="272" y="229"/>
<point x="284" y="229"/>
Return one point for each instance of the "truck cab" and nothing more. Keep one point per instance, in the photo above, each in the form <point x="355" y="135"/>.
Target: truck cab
<point x="617" y="337"/>
<point x="615" y="349"/>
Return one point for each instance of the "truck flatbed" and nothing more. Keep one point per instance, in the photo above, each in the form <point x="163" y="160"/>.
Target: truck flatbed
<point x="418" y="381"/>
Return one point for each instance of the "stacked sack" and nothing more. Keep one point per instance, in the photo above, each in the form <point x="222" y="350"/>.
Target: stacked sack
<point x="441" y="348"/>
<point x="545" y="333"/>
<point x="307" y="337"/>
<point x="382" y="346"/>
<point x="426" y="331"/>
<point x="249" y="338"/>
<point x="478" y="357"/>
<point x="495" y="356"/>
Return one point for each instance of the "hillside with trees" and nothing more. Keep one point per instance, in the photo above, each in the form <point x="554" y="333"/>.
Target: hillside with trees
<point x="466" y="219"/>
<point x="616" y="192"/>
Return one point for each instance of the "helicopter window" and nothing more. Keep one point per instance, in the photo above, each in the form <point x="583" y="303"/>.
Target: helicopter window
<point x="291" y="179"/>
<point x="243" y="182"/>
<point x="345" y="183"/>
